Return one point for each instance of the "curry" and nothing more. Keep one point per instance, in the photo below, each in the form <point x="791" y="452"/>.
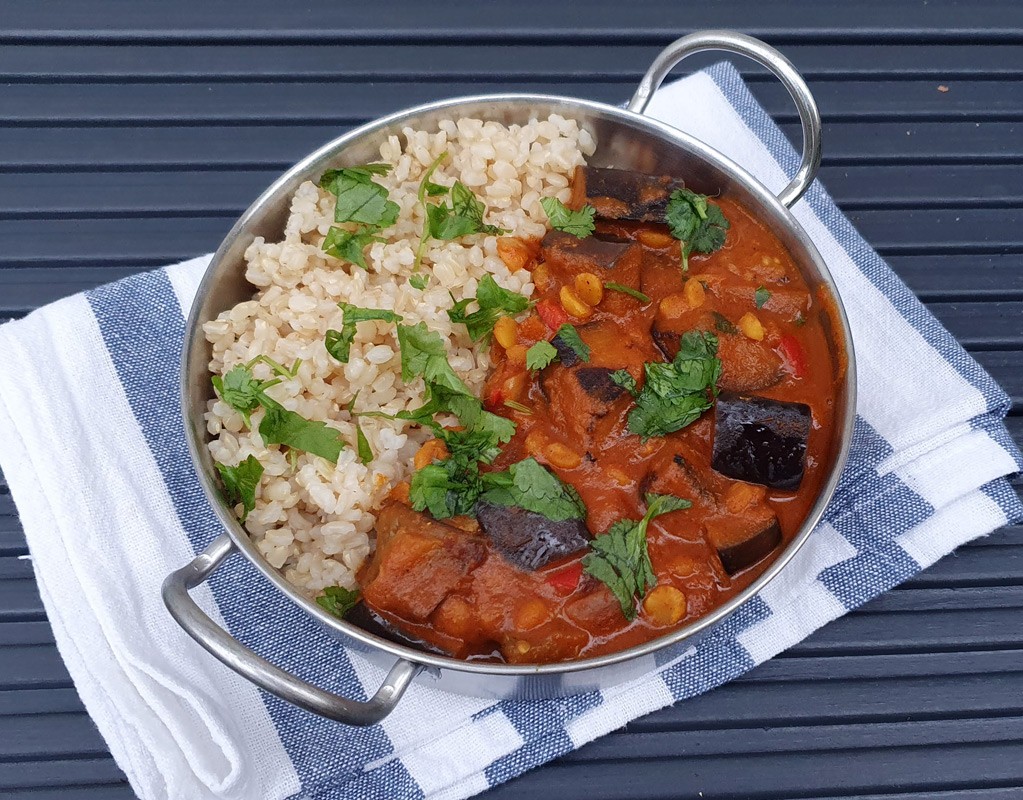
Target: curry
<point x="680" y="390"/>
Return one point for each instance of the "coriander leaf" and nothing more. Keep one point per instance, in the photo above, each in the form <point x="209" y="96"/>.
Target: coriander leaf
<point x="578" y="223"/>
<point x="423" y="353"/>
<point x="463" y="217"/>
<point x="624" y="379"/>
<point x="468" y="409"/>
<point x="722" y="323"/>
<point x="454" y="485"/>
<point x="521" y="408"/>
<point x="359" y="197"/>
<point x="658" y="504"/>
<point x="281" y="426"/>
<point x="494" y="302"/>
<point x="529" y="485"/>
<point x="540" y="355"/>
<point x="569" y="337"/>
<point x="675" y="395"/>
<point x="339" y="343"/>
<point x="240" y="482"/>
<point x="617" y="287"/>
<point x="349" y="245"/>
<point x="418" y="281"/>
<point x="444" y="224"/>
<point x="328" y="177"/>
<point x="239" y="389"/>
<point x="362" y="445"/>
<point x="338" y="600"/>
<point x="761" y="296"/>
<point x="426" y="186"/>
<point x="696" y="222"/>
<point x="620" y="557"/>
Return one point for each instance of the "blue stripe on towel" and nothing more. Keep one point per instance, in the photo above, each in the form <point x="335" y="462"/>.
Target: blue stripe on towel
<point x="143" y="328"/>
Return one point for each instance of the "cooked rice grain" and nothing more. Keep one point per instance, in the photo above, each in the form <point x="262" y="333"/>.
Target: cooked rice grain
<point x="314" y="520"/>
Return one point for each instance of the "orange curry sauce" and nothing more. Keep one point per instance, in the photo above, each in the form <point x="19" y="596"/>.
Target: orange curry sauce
<point x="494" y="610"/>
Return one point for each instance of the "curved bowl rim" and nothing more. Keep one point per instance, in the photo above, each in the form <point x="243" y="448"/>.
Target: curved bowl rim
<point x="349" y="631"/>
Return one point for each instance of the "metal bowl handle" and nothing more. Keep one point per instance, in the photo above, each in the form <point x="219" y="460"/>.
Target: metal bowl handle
<point x="256" y="668"/>
<point x="764" y="54"/>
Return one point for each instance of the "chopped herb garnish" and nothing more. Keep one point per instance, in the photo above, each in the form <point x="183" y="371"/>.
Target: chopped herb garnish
<point x="540" y="355"/>
<point x="723" y="324"/>
<point x="675" y="395"/>
<point x="624" y="379"/>
<point x="359" y="197"/>
<point x="517" y="406"/>
<point x="339" y="343"/>
<point x="761" y="296"/>
<point x="617" y="287"/>
<point x="494" y="303"/>
<point x="569" y="337"/>
<point x="349" y="245"/>
<point x="423" y="354"/>
<point x="362" y="201"/>
<point x="578" y="223"/>
<point x="240" y="482"/>
<point x="620" y="558"/>
<point x="240" y="389"/>
<point x="446" y="222"/>
<point x="800" y="319"/>
<point x="362" y="447"/>
<point x="418" y="281"/>
<point x="454" y="485"/>
<point x="696" y="222"/>
<point x="338" y="600"/>
<point x="281" y="426"/>
<point x="533" y="487"/>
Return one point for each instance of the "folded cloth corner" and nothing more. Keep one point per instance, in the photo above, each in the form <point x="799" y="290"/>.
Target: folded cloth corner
<point x="91" y="443"/>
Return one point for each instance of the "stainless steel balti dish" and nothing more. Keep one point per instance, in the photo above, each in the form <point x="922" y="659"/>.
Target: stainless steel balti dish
<point x="626" y="139"/>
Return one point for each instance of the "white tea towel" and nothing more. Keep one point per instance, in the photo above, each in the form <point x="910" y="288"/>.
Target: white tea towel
<point x="91" y="443"/>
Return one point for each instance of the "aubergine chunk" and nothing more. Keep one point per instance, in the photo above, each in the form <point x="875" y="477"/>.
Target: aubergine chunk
<point x="418" y="562"/>
<point x="743" y="540"/>
<point x="597" y="383"/>
<point x="527" y="539"/>
<point x="569" y="255"/>
<point x="761" y="441"/>
<point x="623" y="194"/>
<point x="566" y="354"/>
<point x="747" y="365"/>
<point x="364" y="617"/>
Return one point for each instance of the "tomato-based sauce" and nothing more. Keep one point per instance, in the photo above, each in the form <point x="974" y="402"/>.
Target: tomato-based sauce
<point x="446" y="584"/>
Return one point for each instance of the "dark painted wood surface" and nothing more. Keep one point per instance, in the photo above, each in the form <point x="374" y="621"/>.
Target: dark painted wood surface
<point x="132" y="134"/>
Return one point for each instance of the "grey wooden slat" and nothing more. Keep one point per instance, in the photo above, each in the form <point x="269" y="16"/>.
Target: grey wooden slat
<point x="989" y="326"/>
<point x="275" y="147"/>
<point x="388" y="20"/>
<point x="1006" y="367"/>
<point x="26" y="632"/>
<point x="27" y="737"/>
<point x="926" y="631"/>
<point x="789" y="668"/>
<point x="56" y="772"/>
<point x="20" y="702"/>
<point x="170" y="193"/>
<point x="19" y="600"/>
<point x="766" y="777"/>
<point x="32" y="667"/>
<point x="112" y="791"/>
<point x="26" y="104"/>
<point x="73" y="63"/>
<point x="977" y="566"/>
<point x="695" y="743"/>
<point x="965" y="598"/>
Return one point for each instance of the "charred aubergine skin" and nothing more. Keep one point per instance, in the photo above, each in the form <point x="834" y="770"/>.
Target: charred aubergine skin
<point x="527" y="539"/>
<point x="761" y="441"/>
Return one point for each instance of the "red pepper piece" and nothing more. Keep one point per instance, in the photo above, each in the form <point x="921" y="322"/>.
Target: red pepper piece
<point x="552" y="314"/>
<point x="792" y="351"/>
<point x="566" y="580"/>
